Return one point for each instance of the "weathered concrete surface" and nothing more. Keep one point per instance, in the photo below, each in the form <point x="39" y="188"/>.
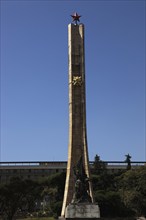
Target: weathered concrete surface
<point x="84" y="211"/>
<point x="77" y="145"/>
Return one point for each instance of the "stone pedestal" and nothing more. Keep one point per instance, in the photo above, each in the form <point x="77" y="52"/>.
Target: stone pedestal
<point x="82" y="211"/>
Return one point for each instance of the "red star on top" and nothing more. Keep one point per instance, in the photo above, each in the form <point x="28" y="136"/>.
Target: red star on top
<point x="76" y="17"/>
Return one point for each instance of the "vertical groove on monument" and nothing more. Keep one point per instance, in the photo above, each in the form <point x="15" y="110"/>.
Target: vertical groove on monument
<point x="77" y="110"/>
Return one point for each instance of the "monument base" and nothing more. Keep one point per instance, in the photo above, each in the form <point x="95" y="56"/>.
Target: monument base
<point x="82" y="211"/>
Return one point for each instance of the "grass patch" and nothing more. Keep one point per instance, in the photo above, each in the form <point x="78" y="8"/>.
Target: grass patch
<point x="39" y="218"/>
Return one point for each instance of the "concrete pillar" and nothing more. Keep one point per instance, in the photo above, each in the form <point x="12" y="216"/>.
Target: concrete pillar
<point x="77" y="145"/>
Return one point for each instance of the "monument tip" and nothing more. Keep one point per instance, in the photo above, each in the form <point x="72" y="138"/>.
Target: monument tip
<point x="75" y="18"/>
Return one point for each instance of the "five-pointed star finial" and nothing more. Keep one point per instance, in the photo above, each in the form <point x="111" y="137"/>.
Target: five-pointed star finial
<point x="76" y="17"/>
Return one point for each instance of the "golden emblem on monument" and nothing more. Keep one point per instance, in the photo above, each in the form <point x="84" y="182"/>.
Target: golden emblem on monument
<point x="77" y="80"/>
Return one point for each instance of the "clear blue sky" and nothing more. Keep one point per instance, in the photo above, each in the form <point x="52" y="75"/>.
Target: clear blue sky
<point x="34" y="78"/>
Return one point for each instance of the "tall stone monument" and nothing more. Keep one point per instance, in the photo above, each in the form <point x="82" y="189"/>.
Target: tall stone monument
<point x="78" y="196"/>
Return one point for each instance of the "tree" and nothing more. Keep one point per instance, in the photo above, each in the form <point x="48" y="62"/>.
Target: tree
<point x="103" y="181"/>
<point x="98" y="166"/>
<point x="110" y="204"/>
<point x="132" y="188"/>
<point x="16" y="195"/>
<point x="32" y="193"/>
<point x="53" y="187"/>
<point x="106" y="186"/>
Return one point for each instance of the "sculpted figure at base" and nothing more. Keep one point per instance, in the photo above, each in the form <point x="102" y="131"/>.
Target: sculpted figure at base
<point x="81" y="194"/>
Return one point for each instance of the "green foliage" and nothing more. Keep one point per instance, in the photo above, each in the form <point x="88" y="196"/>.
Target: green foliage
<point x="98" y="166"/>
<point x="54" y="188"/>
<point x="120" y="194"/>
<point x="15" y="195"/>
<point x="132" y="188"/>
<point x="22" y="194"/>
<point x="105" y="181"/>
<point x="111" y="205"/>
<point x="56" y="209"/>
<point x="39" y="218"/>
<point x="58" y="181"/>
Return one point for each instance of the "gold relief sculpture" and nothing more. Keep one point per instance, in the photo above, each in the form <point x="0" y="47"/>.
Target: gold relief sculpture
<point x="77" y="80"/>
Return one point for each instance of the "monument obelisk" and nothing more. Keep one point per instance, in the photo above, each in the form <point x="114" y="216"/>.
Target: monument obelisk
<point x="78" y="161"/>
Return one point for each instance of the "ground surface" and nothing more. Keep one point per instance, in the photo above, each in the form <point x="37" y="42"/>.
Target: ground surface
<point x="39" y="218"/>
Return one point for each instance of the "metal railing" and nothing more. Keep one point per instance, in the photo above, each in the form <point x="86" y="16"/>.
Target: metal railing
<point x="60" y="164"/>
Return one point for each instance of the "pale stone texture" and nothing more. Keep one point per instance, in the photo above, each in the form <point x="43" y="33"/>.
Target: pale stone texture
<point x="77" y="145"/>
<point x="82" y="211"/>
